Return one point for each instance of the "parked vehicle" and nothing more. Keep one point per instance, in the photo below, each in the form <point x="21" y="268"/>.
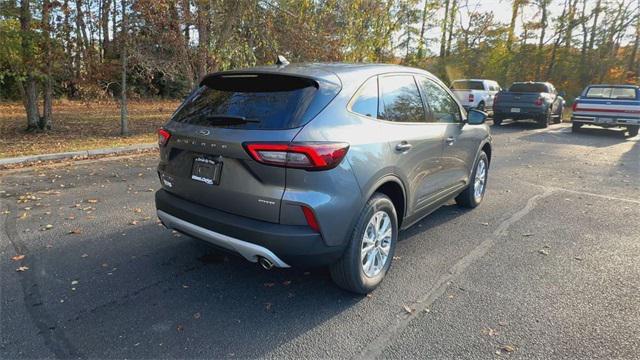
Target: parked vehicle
<point x="539" y="101"/>
<point x="323" y="164"/>
<point x="475" y="93"/>
<point x="608" y="106"/>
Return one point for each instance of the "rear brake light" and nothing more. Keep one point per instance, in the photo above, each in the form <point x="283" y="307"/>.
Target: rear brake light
<point x="163" y="137"/>
<point x="471" y="97"/>
<point x="311" y="218"/>
<point x="574" y="106"/>
<point x="538" y="101"/>
<point x="310" y="156"/>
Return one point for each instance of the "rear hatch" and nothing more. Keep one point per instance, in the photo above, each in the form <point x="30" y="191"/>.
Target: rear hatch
<point x="204" y="160"/>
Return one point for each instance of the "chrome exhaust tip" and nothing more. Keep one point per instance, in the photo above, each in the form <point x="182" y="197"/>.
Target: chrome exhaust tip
<point x="265" y="263"/>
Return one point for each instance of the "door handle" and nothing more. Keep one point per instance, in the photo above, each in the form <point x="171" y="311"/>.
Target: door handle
<point x="404" y="146"/>
<point x="450" y="140"/>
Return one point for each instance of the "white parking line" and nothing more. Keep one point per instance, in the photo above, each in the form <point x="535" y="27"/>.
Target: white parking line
<point x="377" y="346"/>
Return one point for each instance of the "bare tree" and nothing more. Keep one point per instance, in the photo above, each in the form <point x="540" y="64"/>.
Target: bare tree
<point x="124" y="115"/>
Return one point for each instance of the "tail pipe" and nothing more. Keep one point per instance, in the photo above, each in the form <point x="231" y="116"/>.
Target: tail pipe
<point x="265" y="263"/>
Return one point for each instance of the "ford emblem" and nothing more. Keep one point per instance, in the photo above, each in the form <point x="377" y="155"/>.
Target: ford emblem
<point x="204" y="132"/>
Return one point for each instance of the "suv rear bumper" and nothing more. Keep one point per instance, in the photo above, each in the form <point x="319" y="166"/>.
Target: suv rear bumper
<point x="283" y="245"/>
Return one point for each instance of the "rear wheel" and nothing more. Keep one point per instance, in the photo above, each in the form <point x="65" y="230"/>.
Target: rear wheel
<point x="370" y="250"/>
<point x="544" y="120"/>
<point x="633" y="130"/>
<point x="474" y="193"/>
<point x="560" y="116"/>
<point x="497" y="120"/>
<point x="575" y="126"/>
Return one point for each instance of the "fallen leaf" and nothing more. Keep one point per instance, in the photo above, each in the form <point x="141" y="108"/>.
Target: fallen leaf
<point x="543" y="252"/>
<point x="579" y="258"/>
<point x="74" y="232"/>
<point x="397" y="257"/>
<point x="484" y="224"/>
<point x="92" y="201"/>
<point x="74" y="282"/>
<point x="134" y="222"/>
<point x="527" y="234"/>
<point x="407" y="309"/>
<point x="84" y="255"/>
<point x="17" y="257"/>
<point x="507" y="348"/>
<point x="22" y="269"/>
<point x="137" y="210"/>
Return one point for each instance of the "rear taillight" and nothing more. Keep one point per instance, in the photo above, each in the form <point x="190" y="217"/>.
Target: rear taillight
<point x="471" y="97"/>
<point x="574" y="106"/>
<point x="311" y="218"/>
<point x="163" y="137"/>
<point x="538" y="102"/>
<point x="309" y="156"/>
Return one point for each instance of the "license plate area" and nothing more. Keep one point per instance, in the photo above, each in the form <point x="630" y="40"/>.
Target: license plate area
<point x="206" y="170"/>
<point x="515" y="110"/>
<point x="605" y="120"/>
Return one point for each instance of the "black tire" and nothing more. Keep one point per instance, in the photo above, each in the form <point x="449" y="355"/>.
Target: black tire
<point x="558" y="120"/>
<point x="633" y="130"/>
<point x="467" y="197"/>
<point x="544" y="120"/>
<point x="348" y="272"/>
<point x="497" y="120"/>
<point x="575" y="126"/>
<point x="480" y="106"/>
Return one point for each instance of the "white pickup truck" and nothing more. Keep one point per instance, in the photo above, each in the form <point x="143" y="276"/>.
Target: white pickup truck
<point x="608" y="106"/>
<point x="475" y="93"/>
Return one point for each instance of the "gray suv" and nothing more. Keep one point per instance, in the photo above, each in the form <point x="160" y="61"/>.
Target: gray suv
<point x="318" y="164"/>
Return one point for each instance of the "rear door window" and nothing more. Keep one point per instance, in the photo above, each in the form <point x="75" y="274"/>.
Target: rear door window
<point x="366" y="100"/>
<point x="400" y="99"/>
<point x="254" y="101"/>
<point x="443" y="107"/>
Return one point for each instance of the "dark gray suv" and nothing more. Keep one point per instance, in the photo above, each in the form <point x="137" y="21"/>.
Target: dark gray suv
<point x="318" y="164"/>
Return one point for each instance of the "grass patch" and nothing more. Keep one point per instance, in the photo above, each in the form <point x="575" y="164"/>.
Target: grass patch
<point x="81" y="126"/>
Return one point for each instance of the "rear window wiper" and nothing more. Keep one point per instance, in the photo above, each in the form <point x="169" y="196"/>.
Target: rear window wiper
<point x="231" y="119"/>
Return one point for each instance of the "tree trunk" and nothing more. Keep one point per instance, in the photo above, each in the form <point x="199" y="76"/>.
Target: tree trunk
<point x="633" y="67"/>
<point x="30" y="89"/>
<point x="512" y="25"/>
<point x="443" y="44"/>
<point x="45" y="121"/>
<point x="452" y="20"/>
<point x="104" y="24"/>
<point x="202" y="20"/>
<point x="124" y="120"/>
<point x="543" y="27"/>
<point x="570" y="23"/>
<point x="421" y="42"/>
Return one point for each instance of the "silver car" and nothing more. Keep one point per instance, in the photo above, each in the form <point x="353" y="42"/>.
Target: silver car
<point x="318" y="164"/>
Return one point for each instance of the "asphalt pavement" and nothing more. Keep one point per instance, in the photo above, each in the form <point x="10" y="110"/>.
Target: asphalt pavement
<point x="547" y="267"/>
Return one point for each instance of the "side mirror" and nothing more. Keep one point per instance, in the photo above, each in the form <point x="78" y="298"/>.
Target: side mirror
<point x="562" y="93"/>
<point x="476" y="117"/>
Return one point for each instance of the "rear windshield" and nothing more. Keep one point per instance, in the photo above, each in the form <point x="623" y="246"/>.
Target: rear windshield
<point x="529" y="88"/>
<point x="611" y="93"/>
<point x="254" y="101"/>
<point x="467" y="85"/>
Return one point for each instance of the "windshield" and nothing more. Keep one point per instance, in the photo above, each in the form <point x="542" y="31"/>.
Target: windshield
<point x="467" y="85"/>
<point x="529" y="88"/>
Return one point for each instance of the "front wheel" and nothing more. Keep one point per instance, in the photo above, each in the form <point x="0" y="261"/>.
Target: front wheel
<point x="474" y="193"/>
<point x="633" y="130"/>
<point x="370" y="250"/>
<point x="560" y="116"/>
